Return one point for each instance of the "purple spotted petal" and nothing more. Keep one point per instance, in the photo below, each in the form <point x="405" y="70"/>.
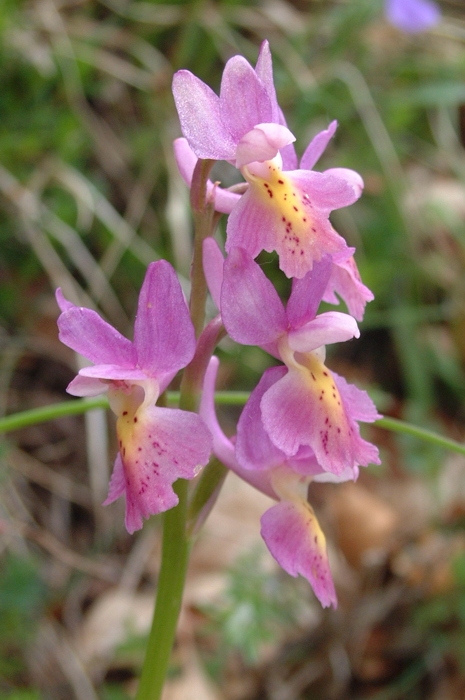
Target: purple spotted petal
<point x="251" y="309"/>
<point x="317" y="146"/>
<point x="305" y="407"/>
<point x="85" y="332"/>
<point x="201" y="120"/>
<point x="293" y="536"/>
<point x="163" y="333"/>
<point x="162" y="446"/>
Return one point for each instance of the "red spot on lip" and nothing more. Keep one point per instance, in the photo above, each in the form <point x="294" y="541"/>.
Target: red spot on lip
<point x="281" y="182"/>
<point x="135" y="419"/>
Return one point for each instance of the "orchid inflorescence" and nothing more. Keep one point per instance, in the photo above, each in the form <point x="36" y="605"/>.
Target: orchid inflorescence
<point x="301" y="422"/>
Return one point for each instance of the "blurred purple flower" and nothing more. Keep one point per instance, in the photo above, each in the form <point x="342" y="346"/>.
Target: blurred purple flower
<point x="412" y="16"/>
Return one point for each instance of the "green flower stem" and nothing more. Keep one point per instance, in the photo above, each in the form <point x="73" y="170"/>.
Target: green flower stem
<point x="175" y="558"/>
<point x="400" y="426"/>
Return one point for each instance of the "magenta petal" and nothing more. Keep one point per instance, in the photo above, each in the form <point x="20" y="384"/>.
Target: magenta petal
<point x="254" y="449"/>
<point x="251" y="309"/>
<point x="117" y="482"/>
<point x="317" y="146"/>
<point x="293" y="536"/>
<point x="162" y="446"/>
<point x="244" y="101"/>
<point x="264" y="71"/>
<point x="213" y="262"/>
<point x="85" y="332"/>
<point x="163" y="333"/>
<point x="201" y="122"/>
<point x="325" y="329"/>
<point x="308" y="292"/>
<point x="358" y="402"/>
<point x="345" y="281"/>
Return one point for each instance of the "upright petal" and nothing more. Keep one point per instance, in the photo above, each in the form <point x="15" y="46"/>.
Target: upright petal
<point x="201" y="121"/>
<point x="244" y="101"/>
<point x="85" y="332"/>
<point x="317" y="146"/>
<point x="251" y="309"/>
<point x="163" y="333"/>
<point x="264" y="71"/>
<point x="294" y="537"/>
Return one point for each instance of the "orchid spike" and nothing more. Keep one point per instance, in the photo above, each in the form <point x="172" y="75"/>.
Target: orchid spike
<point x="309" y="405"/>
<point x="412" y="16"/>
<point x="290" y="528"/>
<point x="157" y="445"/>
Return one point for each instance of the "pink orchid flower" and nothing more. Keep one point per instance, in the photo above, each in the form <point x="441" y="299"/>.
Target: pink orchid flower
<point x="290" y="528"/>
<point x="288" y="210"/>
<point x="309" y="405"/>
<point x="157" y="445"/>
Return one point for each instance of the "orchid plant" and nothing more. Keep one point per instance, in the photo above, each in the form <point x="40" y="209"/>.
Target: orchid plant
<point x="301" y="423"/>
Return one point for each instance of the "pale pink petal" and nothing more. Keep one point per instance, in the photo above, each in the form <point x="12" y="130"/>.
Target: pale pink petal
<point x="244" y="101"/>
<point x="294" y="537"/>
<point x="201" y="122"/>
<point x="157" y="447"/>
<point x="345" y="281"/>
<point x="213" y="261"/>
<point x="317" y="146"/>
<point x="251" y="309"/>
<point x="163" y="333"/>
<point x="351" y="177"/>
<point x="86" y="386"/>
<point x="325" y="329"/>
<point x="262" y="143"/>
<point x="113" y="372"/>
<point x="324" y="190"/>
<point x="358" y="402"/>
<point x="85" y="332"/>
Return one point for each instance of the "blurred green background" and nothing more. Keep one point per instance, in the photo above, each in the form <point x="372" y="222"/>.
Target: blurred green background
<point x="90" y="194"/>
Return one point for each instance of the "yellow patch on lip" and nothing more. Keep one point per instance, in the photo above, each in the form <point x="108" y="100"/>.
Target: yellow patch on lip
<point x="292" y="207"/>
